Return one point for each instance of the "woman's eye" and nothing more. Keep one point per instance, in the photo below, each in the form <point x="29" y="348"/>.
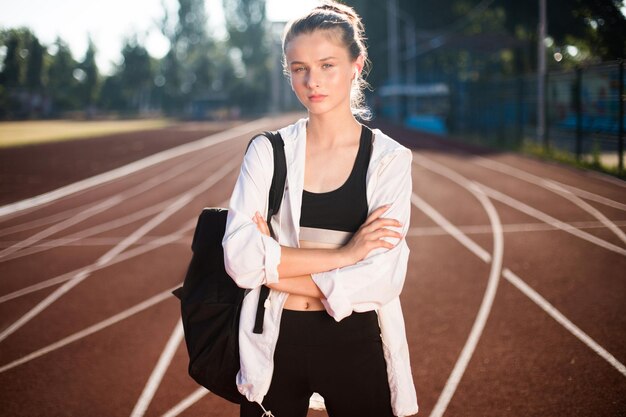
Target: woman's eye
<point x="298" y="69"/>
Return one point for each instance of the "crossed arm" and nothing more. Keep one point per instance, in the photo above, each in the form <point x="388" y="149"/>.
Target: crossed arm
<point x="295" y="268"/>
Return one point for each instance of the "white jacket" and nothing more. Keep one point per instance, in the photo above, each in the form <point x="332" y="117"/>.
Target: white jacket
<point x="374" y="283"/>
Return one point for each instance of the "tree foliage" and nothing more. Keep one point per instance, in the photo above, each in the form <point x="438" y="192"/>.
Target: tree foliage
<point x="249" y="46"/>
<point x="454" y="39"/>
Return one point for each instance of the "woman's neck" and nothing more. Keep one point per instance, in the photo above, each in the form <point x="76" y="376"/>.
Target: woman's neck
<point x="332" y="129"/>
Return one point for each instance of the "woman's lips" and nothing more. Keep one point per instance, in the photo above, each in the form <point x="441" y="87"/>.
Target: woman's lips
<point x="317" y="97"/>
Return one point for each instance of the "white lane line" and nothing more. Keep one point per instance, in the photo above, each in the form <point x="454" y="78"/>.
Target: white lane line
<point x="13" y="208"/>
<point x="164" y="176"/>
<point x="516" y="204"/>
<point x="483" y="313"/>
<point x="93" y="241"/>
<point x="116" y="250"/>
<point x="187" y="402"/>
<point x="131" y="253"/>
<point x="562" y="320"/>
<point x="606" y="178"/>
<point x="524" y="208"/>
<point x="91" y="329"/>
<point x="75" y="240"/>
<point x="123" y="196"/>
<point x="551" y="186"/>
<point x="80" y="236"/>
<point x="507" y="228"/>
<point x="159" y="371"/>
<point x="444" y="223"/>
<point x="450" y="228"/>
<point x="42" y="221"/>
<point x="594" y="197"/>
<point x="99" y="208"/>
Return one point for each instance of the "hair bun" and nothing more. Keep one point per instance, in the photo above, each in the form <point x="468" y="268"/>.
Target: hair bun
<point x="339" y="9"/>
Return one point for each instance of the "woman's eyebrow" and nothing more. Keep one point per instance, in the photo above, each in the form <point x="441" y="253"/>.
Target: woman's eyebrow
<point x="323" y="59"/>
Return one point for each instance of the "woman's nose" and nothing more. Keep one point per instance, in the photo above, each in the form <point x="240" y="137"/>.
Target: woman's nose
<point x="312" y="80"/>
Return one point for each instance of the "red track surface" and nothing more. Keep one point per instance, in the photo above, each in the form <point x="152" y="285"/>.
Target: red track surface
<point x="67" y="349"/>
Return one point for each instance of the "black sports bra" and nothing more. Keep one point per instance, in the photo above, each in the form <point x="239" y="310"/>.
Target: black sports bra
<point x="343" y="209"/>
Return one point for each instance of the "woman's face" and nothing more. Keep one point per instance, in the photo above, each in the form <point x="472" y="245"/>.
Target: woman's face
<point x="321" y="71"/>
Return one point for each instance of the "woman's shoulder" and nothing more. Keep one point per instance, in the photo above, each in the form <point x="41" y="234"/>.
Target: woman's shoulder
<point x="384" y="147"/>
<point x="288" y="133"/>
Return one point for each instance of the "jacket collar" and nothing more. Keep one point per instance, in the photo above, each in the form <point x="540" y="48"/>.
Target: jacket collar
<point x="294" y="137"/>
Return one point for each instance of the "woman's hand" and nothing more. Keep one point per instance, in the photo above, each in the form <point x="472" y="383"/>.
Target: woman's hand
<point x="370" y="234"/>
<point x="261" y="224"/>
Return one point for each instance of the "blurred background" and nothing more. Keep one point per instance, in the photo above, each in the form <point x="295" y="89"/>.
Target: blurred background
<point x="121" y="119"/>
<point x="462" y="68"/>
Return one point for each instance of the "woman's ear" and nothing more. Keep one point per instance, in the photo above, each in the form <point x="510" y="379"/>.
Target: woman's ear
<point x="358" y="66"/>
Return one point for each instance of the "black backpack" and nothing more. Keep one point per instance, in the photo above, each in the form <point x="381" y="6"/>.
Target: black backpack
<point x="210" y="299"/>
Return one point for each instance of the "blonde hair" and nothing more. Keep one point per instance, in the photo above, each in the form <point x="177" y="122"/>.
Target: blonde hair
<point x="343" y="20"/>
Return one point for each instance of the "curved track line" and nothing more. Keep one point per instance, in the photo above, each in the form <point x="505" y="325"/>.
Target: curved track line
<point x="183" y="200"/>
<point x="543" y="304"/>
<point x="450" y="228"/>
<point x="518" y="205"/>
<point x="550" y="186"/>
<point x="187" y="402"/>
<point x="159" y="371"/>
<point x="492" y="285"/>
<point x="91" y="329"/>
<point x="29" y="203"/>
<point x="533" y="212"/>
<point x="506" y="228"/>
<point x="483" y="312"/>
<point x="561" y="319"/>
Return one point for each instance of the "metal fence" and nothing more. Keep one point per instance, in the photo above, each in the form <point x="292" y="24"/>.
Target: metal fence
<point x="584" y="111"/>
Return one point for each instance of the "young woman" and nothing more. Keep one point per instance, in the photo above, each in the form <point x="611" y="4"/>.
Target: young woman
<point x="337" y="261"/>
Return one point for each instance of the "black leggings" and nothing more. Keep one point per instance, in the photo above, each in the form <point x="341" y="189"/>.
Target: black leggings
<point x="342" y="361"/>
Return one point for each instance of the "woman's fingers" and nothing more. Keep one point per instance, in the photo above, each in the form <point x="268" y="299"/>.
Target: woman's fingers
<point x="261" y="223"/>
<point x="376" y="214"/>
<point x="376" y="221"/>
<point x="383" y="232"/>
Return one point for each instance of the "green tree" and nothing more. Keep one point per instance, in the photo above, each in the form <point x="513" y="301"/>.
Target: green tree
<point x="188" y="70"/>
<point x="247" y="28"/>
<point x="129" y="88"/>
<point x="62" y="78"/>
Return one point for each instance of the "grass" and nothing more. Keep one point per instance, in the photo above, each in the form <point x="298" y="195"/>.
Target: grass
<point x="32" y="132"/>
<point x="592" y="161"/>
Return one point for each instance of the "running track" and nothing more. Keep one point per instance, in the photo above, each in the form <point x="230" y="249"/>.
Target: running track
<point x="514" y="301"/>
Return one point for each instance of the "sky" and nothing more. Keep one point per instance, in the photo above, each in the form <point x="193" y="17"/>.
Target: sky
<point x="108" y="22"/>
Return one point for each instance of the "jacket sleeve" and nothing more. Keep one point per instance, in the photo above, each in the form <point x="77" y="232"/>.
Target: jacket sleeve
<point x="250" y="257"/>
<point x="379" y="277"/>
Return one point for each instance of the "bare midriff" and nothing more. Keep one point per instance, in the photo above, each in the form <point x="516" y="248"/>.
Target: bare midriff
<point x="303" y="302"/>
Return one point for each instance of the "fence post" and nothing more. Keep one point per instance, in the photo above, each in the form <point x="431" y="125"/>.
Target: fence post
<point x="520" y="111"/>
<point x="579" y="113"/>
<point x="546" y="113"/>
<point x="620" y="124"/>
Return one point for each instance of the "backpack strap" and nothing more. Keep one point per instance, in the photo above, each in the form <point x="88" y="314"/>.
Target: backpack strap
<point x="275" y="198"/>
